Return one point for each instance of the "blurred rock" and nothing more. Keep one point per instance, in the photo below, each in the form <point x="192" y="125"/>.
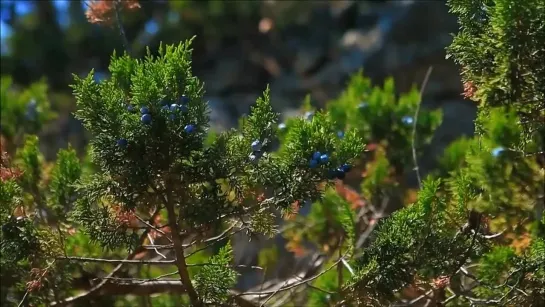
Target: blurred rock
<point x="386" y="38"/>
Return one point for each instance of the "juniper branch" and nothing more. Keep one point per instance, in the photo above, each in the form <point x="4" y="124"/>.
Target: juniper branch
<point x="178" y="249"/>
<point x="92" y="291"/>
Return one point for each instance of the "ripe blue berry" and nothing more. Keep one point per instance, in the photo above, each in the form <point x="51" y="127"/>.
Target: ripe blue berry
<point x="144" y="110"/>
<point x="173" y="107"/>
<point x="184" y="99"/>
<point x="496" y="152"/>
<point x="309" y="115"/>
<point x="346" y="168"/>
<point x="183" y="108"/>
<point x="407" y="120"/>
<point x="146" y="119"/>
<point x="362" y="106"/>
<point x="313" y="163"/>
<point x="165" y="108"/>
<point x="256" y="145"/>
<point x="122" y="143"/>
<point x="324" y="158"/>
<point x="189" y="128"/>
<point x="340" y="134"/>
<point x="340" y="174"/>
<point x="130" y="108"/>
<point x="316" y="155"/>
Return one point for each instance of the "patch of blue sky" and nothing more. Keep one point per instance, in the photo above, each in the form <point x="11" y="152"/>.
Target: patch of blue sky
<point x="63" y="17"/>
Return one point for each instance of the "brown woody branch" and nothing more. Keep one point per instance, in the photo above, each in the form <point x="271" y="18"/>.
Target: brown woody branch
<point x="150" y="287"/>
<point x="150" y="262"/>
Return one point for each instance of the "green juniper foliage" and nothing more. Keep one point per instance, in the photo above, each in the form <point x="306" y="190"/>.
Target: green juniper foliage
<point x="500" y="51"/>
<point x="495" y="185"/>
<point x="149" y="121"/>
<point x="380" y="116"/>
<point x="160" y="190"/>
<point x="155" y="162"/>
<point x="214" y="281"/>
<point x="335" y="224"/>
<point x="23" y="111"/>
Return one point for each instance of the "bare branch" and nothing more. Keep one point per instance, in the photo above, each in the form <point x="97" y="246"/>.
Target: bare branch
<point x="150" y="262"/>
<point x="153" y="227"/>
<point x="76" y="298"/>
<point x="139" y="279"/>
<point x="293" y="284"/>
<point x="413" y="136"/>
<point x="118" y="261"/>
<point x="22" y="302"/>
<point x="120" y="27"/>
<point x="212" y="241"/>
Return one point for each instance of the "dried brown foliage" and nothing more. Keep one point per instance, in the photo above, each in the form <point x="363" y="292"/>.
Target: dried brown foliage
<point x="103" y="11"/>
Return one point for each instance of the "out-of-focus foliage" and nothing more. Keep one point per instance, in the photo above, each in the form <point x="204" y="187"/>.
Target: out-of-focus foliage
<point x="23" y="111"/>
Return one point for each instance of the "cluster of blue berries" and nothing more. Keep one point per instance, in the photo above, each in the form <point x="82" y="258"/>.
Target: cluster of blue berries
<point x="318" y="158"/>
<point x="173" y="108"/>
<point x="256" y="151"/>
<point x="321" y="159"/>
<point x="146" y="117"/>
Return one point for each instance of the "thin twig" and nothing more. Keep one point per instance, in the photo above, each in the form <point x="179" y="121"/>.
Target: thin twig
<point x="212" y="242"/>
<point x="150" y="262"/>
<point x="153" y="227"/>
<point x="96" y="288"/>
<point x="340" y="266"/>
<point x="296" y="284"/>
<point x="319" y="289"/>
<point x="121" y="29"/>
<point x="209" y="240"/>
<point x="156" y="250"/>
<point x="413" y="136"/>
<point x="140" y="280"/>
<point x="271" y="296"/>
<point x="41" y="276"/>
<point x="118" y="261"/>
<point x="23" y="299"/>
<point x="158" y="247"/>
<point x="366" y="234"/>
